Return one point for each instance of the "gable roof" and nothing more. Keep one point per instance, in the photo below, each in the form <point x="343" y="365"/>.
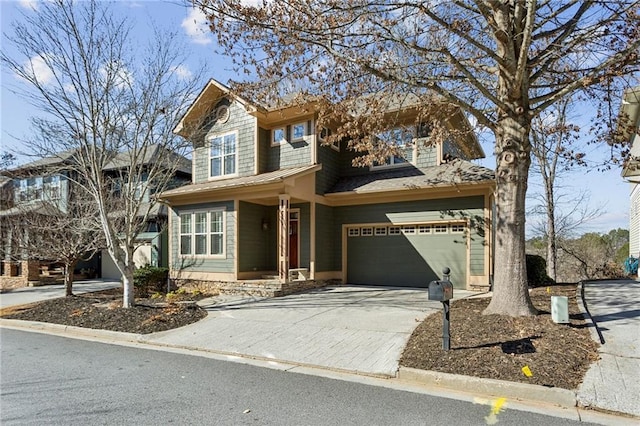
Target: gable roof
<point x="455" y="173"/>
<point x="153" y="153"/>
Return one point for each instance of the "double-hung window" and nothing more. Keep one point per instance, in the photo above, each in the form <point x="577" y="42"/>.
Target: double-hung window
<point x="222" y="154"/>
<point x="202" y="233"/>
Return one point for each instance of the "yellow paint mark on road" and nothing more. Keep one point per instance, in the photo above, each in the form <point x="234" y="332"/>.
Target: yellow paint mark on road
<point x="527" y="371"/>
<point x="496" y="407"/>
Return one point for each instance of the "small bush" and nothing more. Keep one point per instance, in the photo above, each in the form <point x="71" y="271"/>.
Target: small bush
<point x="537" y="271"/>
<point x="150" y="278"/>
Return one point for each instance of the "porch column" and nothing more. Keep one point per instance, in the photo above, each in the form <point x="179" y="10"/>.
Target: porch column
<point x="283" y="237"/>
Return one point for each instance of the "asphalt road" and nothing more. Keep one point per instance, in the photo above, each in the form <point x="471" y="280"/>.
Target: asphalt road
<point x="46" y="379"/>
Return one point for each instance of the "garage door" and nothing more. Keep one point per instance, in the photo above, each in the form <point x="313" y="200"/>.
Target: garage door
<point x="406" y="256"/>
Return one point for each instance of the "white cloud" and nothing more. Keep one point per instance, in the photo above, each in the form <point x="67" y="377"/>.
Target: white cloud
<point x="29" y="4"/>
<point x="39" y="69"/>
<point x="195" y="26"/>
<point x="182" y="72"/>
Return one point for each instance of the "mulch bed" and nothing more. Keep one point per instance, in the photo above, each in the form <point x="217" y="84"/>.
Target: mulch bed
<point x="498" y="347"/>
<point x="103" y="310"/>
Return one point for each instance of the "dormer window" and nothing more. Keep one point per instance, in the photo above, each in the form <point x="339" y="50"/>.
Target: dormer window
<point x="399" y="137"/>
<point x="324" y="134"/>
<point x="299" y="131"/>
<point x="279" y="135"/>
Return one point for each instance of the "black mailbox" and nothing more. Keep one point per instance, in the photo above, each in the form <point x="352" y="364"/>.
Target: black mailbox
<point x="440" y="291"/>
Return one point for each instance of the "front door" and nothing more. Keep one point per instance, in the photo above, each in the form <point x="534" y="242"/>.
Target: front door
<point x="293" y="240"/>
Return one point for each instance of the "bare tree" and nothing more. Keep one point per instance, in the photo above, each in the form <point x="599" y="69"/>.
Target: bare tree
<point x="66" y="232"/>
<point x="110" y="98"/>
<point x="503" y="62"/>
<point x="554" y="138"/>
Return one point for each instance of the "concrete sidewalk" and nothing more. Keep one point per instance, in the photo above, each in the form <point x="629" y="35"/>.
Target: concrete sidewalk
<point x="613" y="383"/>
<point x="25" y="295"/>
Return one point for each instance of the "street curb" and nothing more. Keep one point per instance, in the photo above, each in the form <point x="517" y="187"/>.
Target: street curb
<point x="491" y="387"/>
<point x="72" y="331"/>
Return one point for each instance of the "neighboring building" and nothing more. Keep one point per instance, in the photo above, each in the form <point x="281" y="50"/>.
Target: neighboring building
<point x="267" y="198"/>
<point x="152" y="243"/>
<point x="40" y="186"/>
<point x="630" y="112"/>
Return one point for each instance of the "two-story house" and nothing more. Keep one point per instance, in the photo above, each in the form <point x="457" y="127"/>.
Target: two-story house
<point x="268" y="198"/>
<point x="45" y="184"/>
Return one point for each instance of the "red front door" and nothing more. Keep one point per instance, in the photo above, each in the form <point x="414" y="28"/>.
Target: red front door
<point x="293" y="243"/>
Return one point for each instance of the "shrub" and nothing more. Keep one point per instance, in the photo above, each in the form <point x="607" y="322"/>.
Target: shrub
<point x="537" y="271"/>
<point x="150" y="278"/>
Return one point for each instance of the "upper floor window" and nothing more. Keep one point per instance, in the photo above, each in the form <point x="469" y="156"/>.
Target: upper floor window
<point x="324" y="135"/>
<point x="399" y="137"/>
<point x="223" y="154"/>
<point x="299" y="131"/>
<point x="29" y="189"/>
<point x="278" y="135"/>
<point x="52" y="189"/>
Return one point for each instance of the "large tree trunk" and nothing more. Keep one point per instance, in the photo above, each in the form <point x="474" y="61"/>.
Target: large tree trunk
<point x="510" y="288"/>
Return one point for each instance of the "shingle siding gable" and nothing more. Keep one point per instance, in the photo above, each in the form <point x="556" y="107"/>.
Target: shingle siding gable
<point x="242" y="123"/>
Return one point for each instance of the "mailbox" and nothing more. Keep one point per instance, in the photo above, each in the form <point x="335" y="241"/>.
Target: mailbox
<point x="440" y="291"/>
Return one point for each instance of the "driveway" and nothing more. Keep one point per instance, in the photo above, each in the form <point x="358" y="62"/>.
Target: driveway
<point x="22" y="296"/>
<point x="357" y="329"/>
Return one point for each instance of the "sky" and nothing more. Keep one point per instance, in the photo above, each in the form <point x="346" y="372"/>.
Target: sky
<point x="606" y="189"/>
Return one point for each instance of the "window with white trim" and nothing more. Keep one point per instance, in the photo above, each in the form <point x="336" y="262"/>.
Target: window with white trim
<point x="394" y="230"/>
<point x="366" y="231"/>
<point x="409" y="229"/>
<point x="279" y="135"/>
<point x="324" y="135"/>
<point x="354" y="232"/>
<point x="400" y="137"/>
<point x="299" y="131"/>
<point x="456" y="229"/>
<point x="202" y="233"/>
<point x="222" y="154"/>
<point x="380" y="230"/>
<point x="439" y="229"/>
<point x="424" y="229"/>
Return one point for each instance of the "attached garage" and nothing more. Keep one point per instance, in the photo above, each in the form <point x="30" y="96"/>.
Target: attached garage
<point x="408" y="255"/>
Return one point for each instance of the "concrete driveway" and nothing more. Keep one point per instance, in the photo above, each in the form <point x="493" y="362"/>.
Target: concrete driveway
<point x="357" y="329"/>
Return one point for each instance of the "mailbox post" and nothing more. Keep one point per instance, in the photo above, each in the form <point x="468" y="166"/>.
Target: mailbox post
<point x="443" y="292"/>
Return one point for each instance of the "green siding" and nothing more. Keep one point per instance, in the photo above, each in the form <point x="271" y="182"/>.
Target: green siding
<point x="253" y="241"/>
<point x="304" y="232"/>
<point x="427" y="156"/>
<point x="263" y="143"/>
<point x="327" y="177"/>
<point x="238" y="121"/>
<point x="290" y="154"/>
<point x="450" y="148"/>
<point x="326" y="241"/>
<point x="204" y="264"/>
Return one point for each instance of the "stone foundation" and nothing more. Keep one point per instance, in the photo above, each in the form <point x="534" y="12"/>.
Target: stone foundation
<point x="261" y="288"/>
